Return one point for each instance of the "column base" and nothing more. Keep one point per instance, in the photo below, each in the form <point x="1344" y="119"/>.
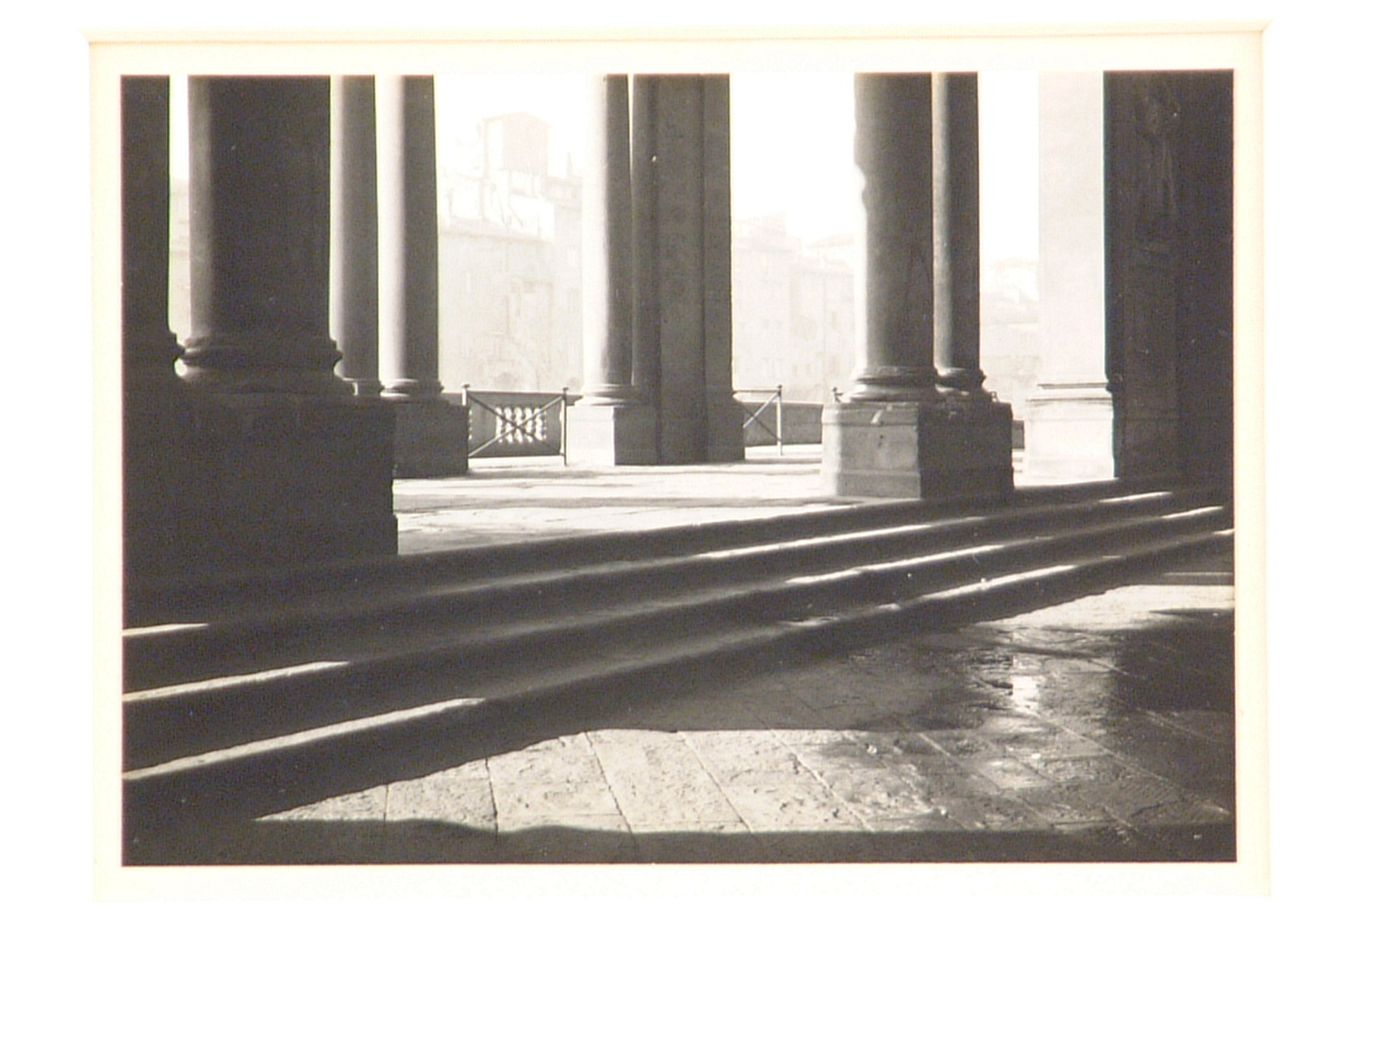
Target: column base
<point x="612" y="434"/>
<point x="215" y="484"/>
<point x="1069" y="433"/>
<point x="724" y="422"/>
<point x="958" y="448"/>
<point x="430" y="438"/>
<point x="1149" y="447"/>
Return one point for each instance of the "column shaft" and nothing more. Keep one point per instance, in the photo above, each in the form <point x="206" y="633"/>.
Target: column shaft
<point x="681" y="228"/>
<point x="430" y="434"/>
<point x="957" y="319"/>
<point x="893" y="151"/>
<point x="407" y="226"/>
<point x="607" y="247"/>
<point x="149" y="348"/>
<point x="259" y="235"/>
<point x="354" y="306"/>
<point x="646" y="320"/>
<point x="723" y="414"/>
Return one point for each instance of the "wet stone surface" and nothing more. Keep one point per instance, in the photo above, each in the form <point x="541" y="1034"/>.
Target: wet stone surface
<point x="1099" y="729"/>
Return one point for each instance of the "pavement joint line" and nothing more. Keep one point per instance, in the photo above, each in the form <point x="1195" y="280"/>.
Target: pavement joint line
<point x="495" y="805"/>
<point x="608" y="783"/>
<point x="854" y="812"/>
<point x="685" y="738"/>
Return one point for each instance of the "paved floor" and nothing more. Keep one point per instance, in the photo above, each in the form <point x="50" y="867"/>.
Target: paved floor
<point x="1100" y="729"/>
<point x="505" y="499"/>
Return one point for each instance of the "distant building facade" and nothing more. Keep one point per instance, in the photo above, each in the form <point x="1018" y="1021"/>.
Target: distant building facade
<point x="794" y="311"/>
<point x="510" y="297"/>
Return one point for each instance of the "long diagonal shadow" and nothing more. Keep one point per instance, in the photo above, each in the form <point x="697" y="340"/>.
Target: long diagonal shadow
<point x="223" y="803"/>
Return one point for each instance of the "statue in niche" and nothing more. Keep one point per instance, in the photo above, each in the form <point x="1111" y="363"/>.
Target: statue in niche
<point x="1157" y="114"/>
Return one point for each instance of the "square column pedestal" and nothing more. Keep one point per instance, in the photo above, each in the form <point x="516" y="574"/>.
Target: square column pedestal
<point x="1069" y="433"/>
<point x="958" y="448"/>
<point x="430" y="438"/>
<point x="217" y="484"/>
<point x="618" y="434"/>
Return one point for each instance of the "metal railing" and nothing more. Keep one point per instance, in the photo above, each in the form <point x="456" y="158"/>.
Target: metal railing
<point x="516" y="423"/>
<point x="751" y="417"/>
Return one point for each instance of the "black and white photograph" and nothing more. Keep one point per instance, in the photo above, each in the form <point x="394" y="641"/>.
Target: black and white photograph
<point x="700" y="527"/>
<point x="751" y="462"/>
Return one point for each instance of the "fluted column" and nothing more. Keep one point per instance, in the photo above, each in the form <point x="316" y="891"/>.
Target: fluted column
<point x="259" y="236"/>
<point x="407" y="226"/>
<point x="893" y="151"/>
<point x="354" y="309"/>
<point x="956" y="249"/>
<point x="149" y="348"/>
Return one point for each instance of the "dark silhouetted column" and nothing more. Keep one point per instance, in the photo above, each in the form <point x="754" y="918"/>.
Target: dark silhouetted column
<point x="430" y="433"/>
<point x="610" y="424"/>
<point x="354" y="321"/>
<point x="893" y="151"/>
<point x="281" y="464"/>
<point x="149" y="348"/>
<point x="956" y="249"/>
<point x="259" y="236"/>
<point x="898" y="434"/>
<point x="680" y="158"/>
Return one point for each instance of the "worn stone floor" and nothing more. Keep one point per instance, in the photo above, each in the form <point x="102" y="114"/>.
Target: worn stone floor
<point x="1101" y="729"/>
<point x="532" y="498"/>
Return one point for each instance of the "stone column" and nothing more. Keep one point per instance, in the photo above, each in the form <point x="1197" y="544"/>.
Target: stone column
<point x="956" y="232"/>
<point x="161" y="492"/>
<point x="681" y="215"/>
<point x="285" y="466"/>
<point x="1069" y="418"/>
<point x="610" y="424"/>
<point x="149" y="348"/>
<point x="354" y="307"/>
<point x="646" y="323"/>
<point x="893" y="150"/>
<point x="259" y="236"/>
<point x="430" y="433"/>
<point x="724" y="416"/>
<point x="899" y="434"/>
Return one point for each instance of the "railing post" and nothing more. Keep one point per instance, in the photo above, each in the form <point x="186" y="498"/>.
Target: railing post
<point x="467" y="408"/>
<point x="564" y="426"/>
<point x="779" y="435"/>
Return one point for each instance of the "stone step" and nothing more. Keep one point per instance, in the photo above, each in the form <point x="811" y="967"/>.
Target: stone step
<point x="327" y="686"/>
<point x="284" y="770"/>
<point x="359" y="675"/>
<point x="158" y="601"/>
<point x="290" y="631"/>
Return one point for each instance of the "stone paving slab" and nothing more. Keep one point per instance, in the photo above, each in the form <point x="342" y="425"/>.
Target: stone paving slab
<point x="1047" y="736"/>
